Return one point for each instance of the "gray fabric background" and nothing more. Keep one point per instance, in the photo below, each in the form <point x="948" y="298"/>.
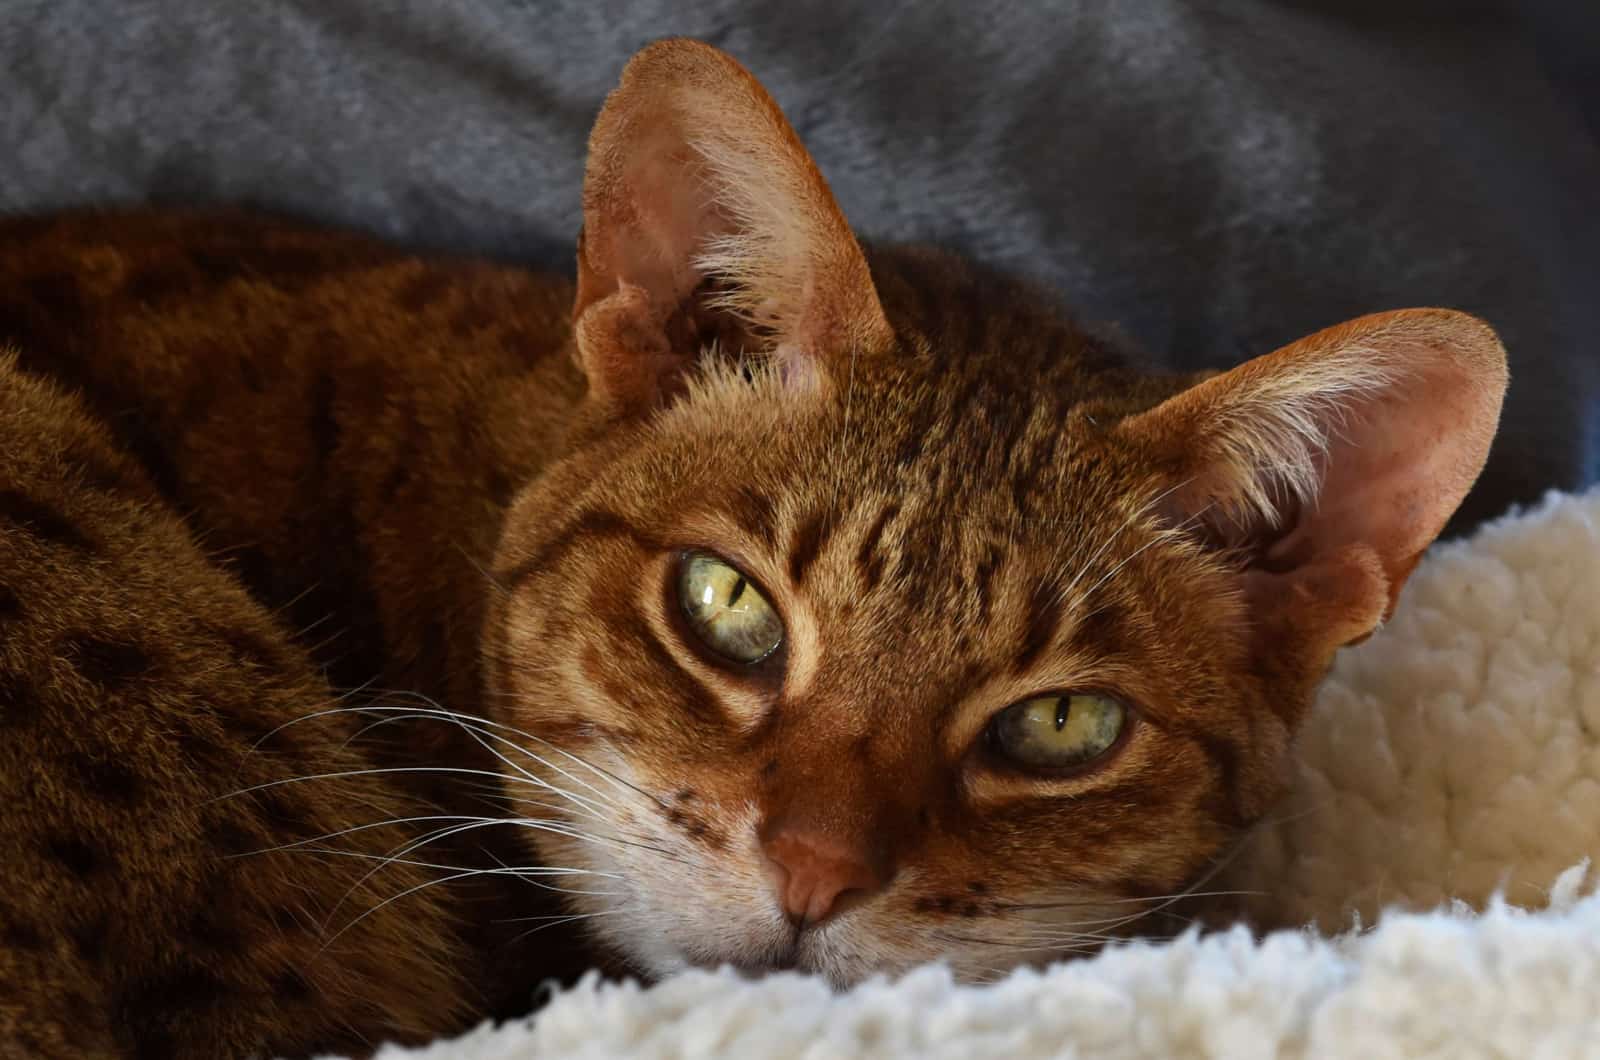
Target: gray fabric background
<point x="1214" y="178"/>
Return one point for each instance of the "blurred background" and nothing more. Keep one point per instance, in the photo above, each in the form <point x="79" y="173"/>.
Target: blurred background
<point x="1211" y="177"/>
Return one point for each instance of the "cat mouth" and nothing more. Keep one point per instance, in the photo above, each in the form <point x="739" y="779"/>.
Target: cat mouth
<point x="781" y="957"/>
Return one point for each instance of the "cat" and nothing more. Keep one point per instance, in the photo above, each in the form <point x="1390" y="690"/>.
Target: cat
<point x="381" y="634"/>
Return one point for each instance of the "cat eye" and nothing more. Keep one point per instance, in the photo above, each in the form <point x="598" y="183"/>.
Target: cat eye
<point x="1058" y="732"/>
<point x="725" y="610"/>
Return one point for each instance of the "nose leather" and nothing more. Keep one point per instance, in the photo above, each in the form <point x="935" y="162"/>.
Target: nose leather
<point x="817" y="874"/>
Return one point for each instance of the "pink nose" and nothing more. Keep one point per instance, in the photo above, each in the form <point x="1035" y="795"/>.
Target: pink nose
<point x="817" y="874"/>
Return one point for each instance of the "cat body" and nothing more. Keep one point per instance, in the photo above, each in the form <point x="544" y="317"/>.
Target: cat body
<point x="365" y="617"/>
<point x="231" y="499"/>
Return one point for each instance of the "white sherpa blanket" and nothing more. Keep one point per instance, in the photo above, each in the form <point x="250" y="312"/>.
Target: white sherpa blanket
<point x="1454" y="758"/>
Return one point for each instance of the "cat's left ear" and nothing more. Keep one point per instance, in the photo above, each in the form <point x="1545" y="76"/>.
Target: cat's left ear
<point x="1331" y="464"/>
<point x="704" y="217"/>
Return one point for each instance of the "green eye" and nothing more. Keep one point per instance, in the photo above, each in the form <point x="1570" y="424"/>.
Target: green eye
<point x="725" y="610"/>
<point x="1058" y="731"/>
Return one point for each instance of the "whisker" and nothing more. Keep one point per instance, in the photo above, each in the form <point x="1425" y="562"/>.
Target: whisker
<point x="1138" y="514"/>
<point x="478" y="735"/>
<point x="435" y="709"/>
<point x="1072" y="903"/>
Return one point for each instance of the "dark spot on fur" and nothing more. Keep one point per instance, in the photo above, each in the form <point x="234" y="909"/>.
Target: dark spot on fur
<point x="686" y="795"/>
<point x="978" y="888"/>
<point x="41" y="520"/>
<point x="324" y="424"/>
<point x="256" y="734"/>
<point x="398" y="477"/>
<point x="89" y="938"/>
<point x="232" y="838"/>
<point x="970" y="909"/>
<point x="770" y="768"/>
<point x="251" y="376"/>
<point x="869" y="558"/>
<point x="279" y="807"/>
<point x="154" y="1043"/>
<point x="285" y="920"/>
<point x="861" y="746"/>
<point x="923" y="905"/>
<point x="15" y="934"/>
<point x="212" y="927"/>
<point x="220" y="267"/>
<point x="944" y="903"/>
<point x="924" y="818"/>
<point x="291" y="987"/>
<point x="18" y="705"/>
<point x="10" y="605"/>
<point x="107" y="474"/>
<point x="983" y="579"/>
<point x="182" y="988"/>
<point x="251" y="649"/>
<point x="77" y="1002"/>
<point x="809" y="538"/>
<point x="108" y="779"/>
<point x="500" y="486"/>
<point x="154" y="283"/>
<point x="30" y="1044"/>
<point x="422" y="290"/>
<point x="108" y="663"/>
<point x="1040" y="624"/>
<point x="1100" y="629"/>
<point x="76" y="855"/>
<point x="754" y="512"/>
<point x="473" y="317"/>
<point x="255" y="568"/>
<point x="56" y="293"/>
<point x="434" y="650"/>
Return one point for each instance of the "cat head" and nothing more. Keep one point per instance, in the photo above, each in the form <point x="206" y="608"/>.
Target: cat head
<point x="878" y="614"/>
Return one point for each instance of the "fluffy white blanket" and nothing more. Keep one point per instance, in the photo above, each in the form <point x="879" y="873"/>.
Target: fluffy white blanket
<point x="1454" y="759"/>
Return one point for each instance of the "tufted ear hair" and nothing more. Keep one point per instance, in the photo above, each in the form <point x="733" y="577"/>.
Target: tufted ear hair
<point x="706" y="222"/>
<point x="1331" y="464"/>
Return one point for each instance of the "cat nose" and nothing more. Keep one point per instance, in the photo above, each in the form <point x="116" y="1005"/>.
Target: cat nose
<point x="818" y="875"/>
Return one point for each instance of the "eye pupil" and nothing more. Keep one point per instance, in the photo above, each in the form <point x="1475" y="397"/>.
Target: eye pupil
<point x="738" y="591"/>
<point x="1063" y="707"/>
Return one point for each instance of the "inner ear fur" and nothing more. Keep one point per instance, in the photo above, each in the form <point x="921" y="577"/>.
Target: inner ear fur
<point x="1330" y="465"/>
<point x="705" y="219"/>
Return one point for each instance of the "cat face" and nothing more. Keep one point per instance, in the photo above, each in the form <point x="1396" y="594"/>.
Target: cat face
<point x="878" y="615"/>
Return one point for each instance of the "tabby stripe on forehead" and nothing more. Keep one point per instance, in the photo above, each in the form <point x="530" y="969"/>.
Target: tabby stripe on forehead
<point x="868" y="558"/>
<point x="983" y="580"/>
<point x="809" y="538"/>
<point x="587" y="527"/>
<point x="755" y="514"/>
<point x="1040" y="624"/>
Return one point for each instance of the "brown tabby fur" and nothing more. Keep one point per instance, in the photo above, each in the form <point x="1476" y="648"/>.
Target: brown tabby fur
<point x="254" y="471"/>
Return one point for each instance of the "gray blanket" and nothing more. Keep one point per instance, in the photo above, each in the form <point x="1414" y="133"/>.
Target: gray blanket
<point x="1214" y="178"/>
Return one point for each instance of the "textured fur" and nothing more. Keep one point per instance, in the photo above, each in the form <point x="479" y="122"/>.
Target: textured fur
<point x="956" y="498"/>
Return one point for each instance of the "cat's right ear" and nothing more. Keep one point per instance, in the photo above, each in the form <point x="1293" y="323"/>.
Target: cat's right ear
<point x="704" y="218"/>
<point x="1328" y="466"/>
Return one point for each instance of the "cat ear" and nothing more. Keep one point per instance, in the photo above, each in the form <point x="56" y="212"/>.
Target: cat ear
<point x="704" y="217"/>
<point x="1331" y="464"/>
